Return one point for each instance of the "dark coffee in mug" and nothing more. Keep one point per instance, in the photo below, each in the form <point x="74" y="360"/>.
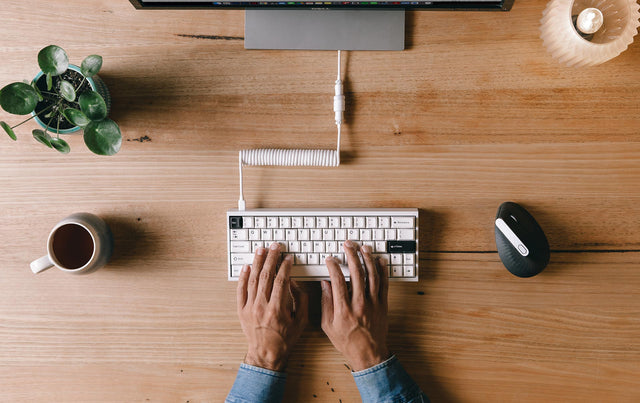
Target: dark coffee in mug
<point x="79" y="244"/>
<point x="72" y="246"/>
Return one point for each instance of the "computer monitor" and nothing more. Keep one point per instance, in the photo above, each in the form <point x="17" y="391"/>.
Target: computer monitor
<point x="325" y="25"/>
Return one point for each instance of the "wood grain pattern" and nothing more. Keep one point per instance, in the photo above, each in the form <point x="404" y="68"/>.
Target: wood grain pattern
<point x="472" y="114"/>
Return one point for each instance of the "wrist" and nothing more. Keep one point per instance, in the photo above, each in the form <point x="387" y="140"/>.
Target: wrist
<point x="268" y="361"/>
<point x="368" y="360"/>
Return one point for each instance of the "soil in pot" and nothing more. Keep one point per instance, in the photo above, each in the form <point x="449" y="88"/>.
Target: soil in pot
<point x="50" y="97"/>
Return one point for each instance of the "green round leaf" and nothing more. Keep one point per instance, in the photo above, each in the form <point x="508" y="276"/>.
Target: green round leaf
<point x="67" y="91"/>
<point x="18" y="98"/>
<point x="42" y="137"/>
<point x="92" y="105"/>
<point x="60" y="145"/>
<point x="53" y="60"/>
<point x="91" y="65"/>
<point x="76" y="117"/>
<point x="103" y="137"/>
<point x="9" y="131"/>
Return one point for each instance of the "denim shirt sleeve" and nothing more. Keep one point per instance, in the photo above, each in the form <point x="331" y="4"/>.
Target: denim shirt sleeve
<point x="255" y="384"/>
<point x="388" y="382"/>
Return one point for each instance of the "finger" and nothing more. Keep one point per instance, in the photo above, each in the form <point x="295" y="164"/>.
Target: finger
<point x="357" y="275"/>
<point x="301" y="300"/>
<point x="372" y="272"/>
<point x="242" y="287"/>
<point x="268" y="272"/>
<point x="338" y="285"/>
<point x="326" y="303"/>
<point x="258" y="262"/>
<point x="383" y="273"/>
<point x="280" y="292"/>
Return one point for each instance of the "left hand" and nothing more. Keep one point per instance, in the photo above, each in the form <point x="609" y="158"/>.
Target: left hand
<point x="272" y="309"/>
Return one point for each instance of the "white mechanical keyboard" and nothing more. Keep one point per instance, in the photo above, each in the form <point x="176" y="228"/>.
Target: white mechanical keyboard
<point x="313" y="235"/>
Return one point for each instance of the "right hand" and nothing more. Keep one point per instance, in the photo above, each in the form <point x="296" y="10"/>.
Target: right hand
<point x="356" y="324"/>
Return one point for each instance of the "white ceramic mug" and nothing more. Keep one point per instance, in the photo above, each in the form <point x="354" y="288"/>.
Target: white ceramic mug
<point x="79" y="244"/>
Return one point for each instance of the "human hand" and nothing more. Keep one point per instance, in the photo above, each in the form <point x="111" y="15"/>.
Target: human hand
<point x="272" y="309"/>
<point x="357" y="324"/>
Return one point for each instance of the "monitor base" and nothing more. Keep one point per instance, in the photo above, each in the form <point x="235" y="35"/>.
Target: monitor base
<point x="324" y="29"/>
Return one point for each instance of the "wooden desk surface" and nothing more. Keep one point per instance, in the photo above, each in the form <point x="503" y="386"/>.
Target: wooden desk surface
<point x="474" y="113"/>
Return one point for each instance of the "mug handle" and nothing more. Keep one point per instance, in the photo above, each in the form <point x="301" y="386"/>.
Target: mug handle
<point x="41" y="264"/>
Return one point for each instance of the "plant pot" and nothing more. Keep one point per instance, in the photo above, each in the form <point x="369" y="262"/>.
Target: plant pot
<point x="74" y="76"/>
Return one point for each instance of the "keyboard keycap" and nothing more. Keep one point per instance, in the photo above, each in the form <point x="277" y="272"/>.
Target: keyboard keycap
<point x="239" y="234"/>
<point x="403" y="222"/>
<point x="285" y="222"/>
<point x="322" y="222"/>
<point x="401" y="246"/>
<point x="409" y="271"/>
<point x="291" y="235"/>
<point x="312" y="270"/>
<point x="313" y="258"/>
<point x="240" y="247"/>
<point x="241" y="258"/>
<point x="301" y="258"/>
<point x="334" y="222"/>
<point x="254" y="234"/>
<point x="409" y="258"/>
<point x="406" y="234"/>
<point x="266" y="235"/>
<point x="235" y="222"/>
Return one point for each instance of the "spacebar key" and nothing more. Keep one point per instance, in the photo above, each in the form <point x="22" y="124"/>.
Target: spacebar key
<point x="314" y="271"/>
<point x="401" y="246"/>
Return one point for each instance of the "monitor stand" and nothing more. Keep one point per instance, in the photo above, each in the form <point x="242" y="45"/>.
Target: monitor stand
<point x="324" y="29"/>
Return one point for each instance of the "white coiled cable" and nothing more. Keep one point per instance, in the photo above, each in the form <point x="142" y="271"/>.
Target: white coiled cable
<point x="296" y="157"/>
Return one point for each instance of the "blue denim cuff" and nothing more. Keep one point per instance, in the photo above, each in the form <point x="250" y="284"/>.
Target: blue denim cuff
<point x="255" y="384"/>
<point x="387" y="382"/>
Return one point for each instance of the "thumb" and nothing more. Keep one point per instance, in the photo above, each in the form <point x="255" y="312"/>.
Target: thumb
<point x="326" y="303"/>
<point x="301" y="302"/>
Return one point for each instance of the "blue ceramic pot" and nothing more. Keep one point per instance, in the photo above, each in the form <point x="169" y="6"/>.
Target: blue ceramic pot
<point x="96" y="84"/>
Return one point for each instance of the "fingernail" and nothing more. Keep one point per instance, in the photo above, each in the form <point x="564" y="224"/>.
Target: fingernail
<point x="289" y="258"/>
<point x="348" y="244"/>
<point x="275" y="246"/>
<point x="245" y="268"/>
<point x="366" y="249"/>
<point x="260" y="251"/>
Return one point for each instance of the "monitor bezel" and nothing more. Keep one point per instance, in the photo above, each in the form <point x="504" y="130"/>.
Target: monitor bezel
<point x="471" y="6"/>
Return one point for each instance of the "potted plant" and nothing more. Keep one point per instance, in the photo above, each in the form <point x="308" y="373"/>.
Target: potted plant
<point x="64" y="98"/>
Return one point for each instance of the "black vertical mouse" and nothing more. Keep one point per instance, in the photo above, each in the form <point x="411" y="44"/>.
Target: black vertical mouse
<point x="521" y="243"/>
